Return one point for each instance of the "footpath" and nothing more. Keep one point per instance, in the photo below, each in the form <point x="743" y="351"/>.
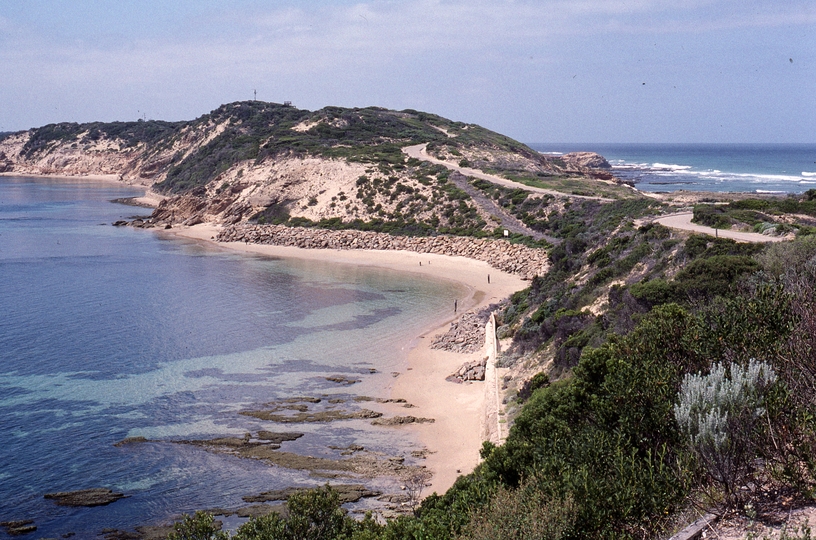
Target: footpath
<point x="418" y="151"/>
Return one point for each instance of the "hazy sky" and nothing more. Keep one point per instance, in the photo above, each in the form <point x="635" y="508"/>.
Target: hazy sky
<point x="538" y="71"/>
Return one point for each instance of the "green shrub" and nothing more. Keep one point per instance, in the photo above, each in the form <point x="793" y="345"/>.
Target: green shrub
<point x="200" y="526"/>
<point x="712" y="276"/>
<point x="713" y="216"/>
<point x="539" y="380"/>
<point x="311" y="515"/>
<point x="523" y="513"/>
<point x="782" y="257"/>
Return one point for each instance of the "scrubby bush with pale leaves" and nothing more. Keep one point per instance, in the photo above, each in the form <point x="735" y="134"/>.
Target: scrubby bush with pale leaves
<point x="719" y="414"/>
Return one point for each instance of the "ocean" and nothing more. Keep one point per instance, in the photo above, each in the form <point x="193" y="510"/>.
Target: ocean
<point x="757" y="168"/>
<point x="114" y="332"/>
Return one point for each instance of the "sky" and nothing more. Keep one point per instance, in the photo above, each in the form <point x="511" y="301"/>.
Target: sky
<point x="606" y="71"/>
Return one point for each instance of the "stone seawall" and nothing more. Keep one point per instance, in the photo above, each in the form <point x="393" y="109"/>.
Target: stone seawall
<point x="500" y="254"/>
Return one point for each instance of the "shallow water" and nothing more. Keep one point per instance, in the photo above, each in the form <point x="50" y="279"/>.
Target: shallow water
<point x="109" y="333"/>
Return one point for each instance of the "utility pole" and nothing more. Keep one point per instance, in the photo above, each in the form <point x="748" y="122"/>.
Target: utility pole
<point x="256" y="95"/>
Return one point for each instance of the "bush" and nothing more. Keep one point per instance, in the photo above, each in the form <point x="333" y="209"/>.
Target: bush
<point x="200" y="526"/>
<point x="719" y="415"/>
<point x="523" y="513"/>
<point x="713" y="276"/>
<point x="782" y="257"/>
<point x="713" y="216"/>
<point x="315" y="514"/>
<point x="539" y="380"/>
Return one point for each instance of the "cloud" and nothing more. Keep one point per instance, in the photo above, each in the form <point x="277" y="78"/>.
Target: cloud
<point x="477" y="60"/>
<point x="309" y="38"/>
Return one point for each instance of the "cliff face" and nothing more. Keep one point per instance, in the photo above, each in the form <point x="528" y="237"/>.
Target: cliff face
<point x="279" y="163"/>
<point x="96" y="158"/>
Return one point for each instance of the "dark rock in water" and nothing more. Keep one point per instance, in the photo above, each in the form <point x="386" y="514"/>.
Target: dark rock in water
<point x="401" y="420"/>
<point x="278" y="438"/>
<point x="131" y="440"/>
<point x="161" y="532"/>
<point x="398" y="498"/>
<point x="340" y="379"/>
<point x="120" y="223"/>
<point x="19" y="527"/>
<point x="301" y="399"/>
<point x="85" y="497"/>
<point x="260" y="510"/>
<point x="116" y="534"/>
<point x="348" y="493"/>
<point x="319" y="416"/>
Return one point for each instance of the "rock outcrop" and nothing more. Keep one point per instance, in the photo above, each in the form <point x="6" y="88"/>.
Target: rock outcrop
<point x="85" y="497"/>
<point x="466" y="334"/>
<point x="512" y="258"/>
<point x="470" y="371"/>
<point x="586" y="160"/>
<point x="18" y="527"/>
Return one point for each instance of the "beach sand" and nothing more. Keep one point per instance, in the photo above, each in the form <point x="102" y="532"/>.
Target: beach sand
<point x="459" y="410"/>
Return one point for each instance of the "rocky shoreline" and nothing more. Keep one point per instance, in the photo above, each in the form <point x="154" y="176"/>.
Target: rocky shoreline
<point x="515" y="259"/>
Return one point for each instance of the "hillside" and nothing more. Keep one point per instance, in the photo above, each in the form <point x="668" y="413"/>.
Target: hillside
<point x="276" y="163"/>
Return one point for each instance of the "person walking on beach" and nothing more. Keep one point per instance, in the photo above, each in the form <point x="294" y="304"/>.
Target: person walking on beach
<point x="455" y="305"/>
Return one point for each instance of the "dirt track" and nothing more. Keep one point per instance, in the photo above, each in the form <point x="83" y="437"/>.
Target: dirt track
<point x="418" y="152"/>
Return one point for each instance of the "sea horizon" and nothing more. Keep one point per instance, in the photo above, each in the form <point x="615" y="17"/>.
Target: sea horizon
<point x="772" y="168"/>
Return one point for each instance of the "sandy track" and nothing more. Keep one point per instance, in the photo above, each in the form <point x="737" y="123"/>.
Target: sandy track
<point x="682" y="221"/>
<point x="418" y="151"/>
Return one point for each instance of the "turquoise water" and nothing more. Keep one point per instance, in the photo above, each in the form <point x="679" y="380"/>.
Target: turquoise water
<point x="759" y="168"/>
<point x="110" y="332"/>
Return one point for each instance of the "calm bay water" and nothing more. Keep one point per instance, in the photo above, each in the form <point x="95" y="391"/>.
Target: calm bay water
<point x="108" y="333"/>
<point x="759" y="168"/>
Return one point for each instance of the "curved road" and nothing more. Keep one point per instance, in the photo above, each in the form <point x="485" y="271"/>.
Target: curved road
<point x="418" y="151"/>
<point x="682" y="221"/>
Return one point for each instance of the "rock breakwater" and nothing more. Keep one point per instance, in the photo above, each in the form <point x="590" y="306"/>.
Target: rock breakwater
<point x="466" y="334"/>
<point x="515" y="259"/>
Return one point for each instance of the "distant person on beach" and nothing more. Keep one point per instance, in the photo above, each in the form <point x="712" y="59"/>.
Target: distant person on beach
<point x="455" y="306"/>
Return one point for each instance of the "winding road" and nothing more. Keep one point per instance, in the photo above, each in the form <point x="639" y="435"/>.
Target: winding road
<point x="682" y="221"/>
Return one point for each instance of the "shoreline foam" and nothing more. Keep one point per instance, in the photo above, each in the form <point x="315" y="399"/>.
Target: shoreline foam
<point x="453" y="440"/>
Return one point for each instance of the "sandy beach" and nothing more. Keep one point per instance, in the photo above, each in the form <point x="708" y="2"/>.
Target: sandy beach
<point x="459" y="410"/>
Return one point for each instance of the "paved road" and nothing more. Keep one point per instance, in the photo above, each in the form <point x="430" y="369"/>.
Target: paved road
<point x="418" y="151"/>
<point x="682" y="220"/>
